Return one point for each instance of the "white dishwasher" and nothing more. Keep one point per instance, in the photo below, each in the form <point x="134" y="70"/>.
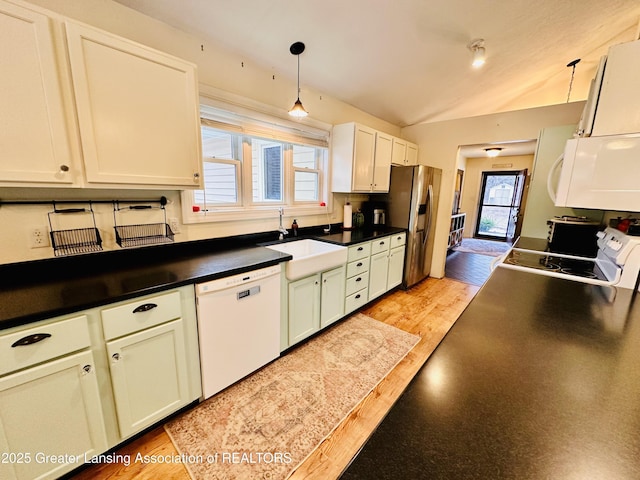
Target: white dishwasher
<point x="238" y="326"/>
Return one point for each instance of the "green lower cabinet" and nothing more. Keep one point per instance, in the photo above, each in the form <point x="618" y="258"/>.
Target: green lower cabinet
<point x="396" y="267"/>
<point x="332" y="296"/>
<point x="304" y="308"/>
<point x="149" y="375"/>
<point x="378" y="269"/>
<point x="315" y="302"/>
<point x="50" y="418"/>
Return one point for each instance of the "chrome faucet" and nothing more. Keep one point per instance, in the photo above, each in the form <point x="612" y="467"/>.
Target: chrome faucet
<point x="283" y="231"/>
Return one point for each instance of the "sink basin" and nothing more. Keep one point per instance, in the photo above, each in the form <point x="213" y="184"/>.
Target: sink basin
<point x="310" y="256"/>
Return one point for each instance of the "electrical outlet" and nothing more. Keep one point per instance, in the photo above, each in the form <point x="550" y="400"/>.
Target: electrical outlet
<point x="39" y="237"/>
<point x="174" y="225"/>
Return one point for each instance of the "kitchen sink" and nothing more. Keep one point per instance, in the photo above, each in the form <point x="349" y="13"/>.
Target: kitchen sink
<point x="310" y="256"/>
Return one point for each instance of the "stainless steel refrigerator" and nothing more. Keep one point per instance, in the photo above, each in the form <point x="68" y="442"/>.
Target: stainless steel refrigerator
<point x="412" y="203"/>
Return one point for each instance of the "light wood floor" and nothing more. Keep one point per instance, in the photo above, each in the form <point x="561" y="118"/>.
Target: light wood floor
<point x="429" y="309"/>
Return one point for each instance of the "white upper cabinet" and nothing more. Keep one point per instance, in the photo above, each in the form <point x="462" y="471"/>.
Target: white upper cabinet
<point x="404" y="153"/>
<point x="399" y="152"/>
<point x="361" y="159"/>
<point x="412" y="154"/>
<point x="618" y="110"/>
<point x="92" y="109"/>
<point x="34" y="138"/>
<point x="137" y="111"/>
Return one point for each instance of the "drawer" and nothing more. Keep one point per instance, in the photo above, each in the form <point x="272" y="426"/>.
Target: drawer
<point x="139" y="314"/>
<point x="398" y="240"/>
<point x="357" y="283"/>
<point x="361" y="250"/>
<point x="380" y="245"/>
<point x="356" y="300"/>
<point x="357" y="267"/>
<point x="41" y="343"/>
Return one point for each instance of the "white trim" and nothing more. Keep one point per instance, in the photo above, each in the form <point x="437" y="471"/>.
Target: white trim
<point x="241" y="109"/>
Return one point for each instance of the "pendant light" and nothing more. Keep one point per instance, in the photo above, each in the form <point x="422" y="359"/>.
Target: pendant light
<point x="297" y="110"/>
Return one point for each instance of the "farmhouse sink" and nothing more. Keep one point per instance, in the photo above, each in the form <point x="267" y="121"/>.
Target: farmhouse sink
<point x="310" y="256"/>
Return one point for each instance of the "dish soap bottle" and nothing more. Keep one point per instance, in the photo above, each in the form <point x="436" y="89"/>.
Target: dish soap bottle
<point x="294" y="227"/>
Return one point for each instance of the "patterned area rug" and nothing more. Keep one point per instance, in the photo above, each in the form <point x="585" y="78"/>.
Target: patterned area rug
<point x="269" y="423"/>
<point x="483" y="247"/>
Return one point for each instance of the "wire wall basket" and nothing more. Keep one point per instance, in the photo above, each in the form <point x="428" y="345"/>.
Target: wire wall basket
<point x="75" y="240"/>
<point x="141" y="234"/>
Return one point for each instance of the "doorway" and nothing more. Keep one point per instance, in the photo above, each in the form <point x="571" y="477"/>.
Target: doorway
<point x="500" y="206"/>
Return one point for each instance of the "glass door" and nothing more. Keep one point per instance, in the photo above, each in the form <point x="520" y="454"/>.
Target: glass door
<point x="499" y="207"/>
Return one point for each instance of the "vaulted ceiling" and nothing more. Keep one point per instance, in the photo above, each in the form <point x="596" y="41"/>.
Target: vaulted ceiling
<point x="407" y="61"/>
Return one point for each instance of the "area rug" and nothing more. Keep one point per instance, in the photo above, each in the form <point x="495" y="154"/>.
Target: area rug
<point x="482" y="247"/>
<point x="269" y="423"/>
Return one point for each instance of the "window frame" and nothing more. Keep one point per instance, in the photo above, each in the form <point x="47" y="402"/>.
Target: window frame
<point x="246" y="208"/>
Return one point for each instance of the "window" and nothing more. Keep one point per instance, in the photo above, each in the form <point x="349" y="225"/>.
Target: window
<point x="248" y="171"/>
<point x="221" y="153"/>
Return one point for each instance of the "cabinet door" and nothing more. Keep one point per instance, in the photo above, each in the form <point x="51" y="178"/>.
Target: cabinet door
<point x="52" y="409"/>
<point x="412" y="154"/>
<point x="332" y="296"/>
<point x="149" y="375"/>
<point x="363" y="158"/>
<point x="304" y="308"/>
<point x="34" y="134"/>
<point x="378" y="270"/>
<point x="382" y="162"/>
<point x="396" y="267"/>
<point x="137" y="111"/>
<point x="398" y="152"/>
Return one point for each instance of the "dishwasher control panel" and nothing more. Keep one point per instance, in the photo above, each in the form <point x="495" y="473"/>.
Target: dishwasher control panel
<point x="235" y="280"/>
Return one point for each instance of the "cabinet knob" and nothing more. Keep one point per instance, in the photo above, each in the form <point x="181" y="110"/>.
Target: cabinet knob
<point x="115" y="357"/>
<point x="64" y="168"/>
<point x="381" y="243"/>
<point x="359" y="279"/>
<point x="86" y="369"/>
<point x="196" y="177"/>
<point x="360" y="249"/>
<point x="357" y="296"/>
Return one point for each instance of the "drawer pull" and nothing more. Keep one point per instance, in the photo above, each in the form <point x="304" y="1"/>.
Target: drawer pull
<point x="359" y="279"/>
<point x="31" y="339"/>
<point x="145" y="307"/>
<point x="358" y="296"/>
<point x="381" y="243"/>
<point x="360" y="249"/>
<point x="359" y="264"/>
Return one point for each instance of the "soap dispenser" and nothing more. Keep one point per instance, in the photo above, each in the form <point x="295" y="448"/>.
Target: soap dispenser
<point x="294" y="227"/>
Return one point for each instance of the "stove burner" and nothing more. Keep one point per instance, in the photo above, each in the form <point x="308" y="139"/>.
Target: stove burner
<point x="578" y="273"/>
<point x="542" y="264"/>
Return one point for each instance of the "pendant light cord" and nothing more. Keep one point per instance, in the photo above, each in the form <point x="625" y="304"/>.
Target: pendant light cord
<point x="573" y="71"/>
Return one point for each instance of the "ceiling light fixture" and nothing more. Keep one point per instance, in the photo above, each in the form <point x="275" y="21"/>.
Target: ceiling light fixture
<point x="297" y="110"/>
<point x="477" y="48"/>
<point x="493" y="151"/>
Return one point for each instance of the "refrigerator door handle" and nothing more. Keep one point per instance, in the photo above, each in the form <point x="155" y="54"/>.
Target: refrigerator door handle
<point x="430" y="202"/>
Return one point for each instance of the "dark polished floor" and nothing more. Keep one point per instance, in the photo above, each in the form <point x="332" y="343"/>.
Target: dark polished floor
<point x="472" y="268"/>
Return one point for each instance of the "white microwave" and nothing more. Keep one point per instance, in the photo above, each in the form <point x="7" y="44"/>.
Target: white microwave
<point x="600" y="172"/>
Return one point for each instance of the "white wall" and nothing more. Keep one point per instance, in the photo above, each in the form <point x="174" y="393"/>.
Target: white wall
<point x="439" y="142"/>
<point x="473" y="183"/>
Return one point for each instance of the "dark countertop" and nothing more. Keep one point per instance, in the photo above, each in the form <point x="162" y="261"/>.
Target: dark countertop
<point x="32" y="291"/>
<point x="538" y="379"/>
<point x="352" y="237"/>
<point x="531" y="243"/>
